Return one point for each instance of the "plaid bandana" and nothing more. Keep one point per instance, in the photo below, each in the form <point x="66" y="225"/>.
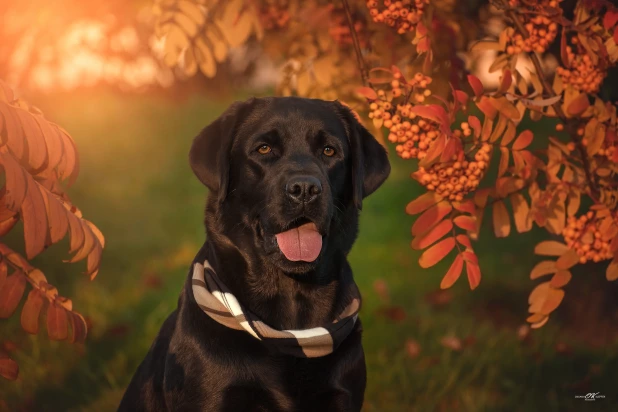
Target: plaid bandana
<point x="217" y="302"/>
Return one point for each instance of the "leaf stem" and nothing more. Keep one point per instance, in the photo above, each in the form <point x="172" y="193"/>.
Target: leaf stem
<point x="359" y="55"/>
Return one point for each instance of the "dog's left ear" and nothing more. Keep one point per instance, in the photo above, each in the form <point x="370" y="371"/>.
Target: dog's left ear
<point x="370" y="164"/>
<point x="210" y="152"/>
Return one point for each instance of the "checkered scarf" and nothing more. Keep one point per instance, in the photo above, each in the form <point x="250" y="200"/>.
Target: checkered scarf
<point x="217" y="302"/>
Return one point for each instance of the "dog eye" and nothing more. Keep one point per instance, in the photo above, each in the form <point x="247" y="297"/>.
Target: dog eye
<point x="264" y="149"/>
<point x="329" y="151"/>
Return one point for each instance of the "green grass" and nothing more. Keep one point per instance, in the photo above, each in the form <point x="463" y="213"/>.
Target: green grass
<point x="137" y="187"/>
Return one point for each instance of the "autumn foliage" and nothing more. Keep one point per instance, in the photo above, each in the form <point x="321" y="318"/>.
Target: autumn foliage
<point x="384" y="59"/>
<point x="36" y="158"/>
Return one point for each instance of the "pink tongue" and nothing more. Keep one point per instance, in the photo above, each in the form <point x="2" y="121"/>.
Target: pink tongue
<point x="301" y="243"/>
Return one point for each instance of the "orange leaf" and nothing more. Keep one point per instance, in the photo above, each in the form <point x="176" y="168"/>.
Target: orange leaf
<point x="487" y="108"/>
<point x="422" y="203"/>
<point x="453" y="147"/>
<point x="3" y="272"/>
<point x="11" y="293"/>
<point x="476" y="84"/>
<point x="453" y="273"/>
<point x="475" y="124"/>
<point x="543" y="268"/>
<point x="435" y="149"/>
<point x="509" y="134"/>
<point x="436" y="253"/>
<point x="16" y="183"/>
<point x="578" y="105"/>
<point x="502" y="223"/>
<point x="488" y="124"/>
<point x="537" y="317"/>
<point x="560" y="279"/>
<point x="505" y="107"/>
<point x="433" y="235"/>
<point x="466" y="223"/>
<point x="8" y="367"/>
<point x="31" y="312"/>
<point x="506" y="81"/>
<point x="464" y="240"/>
<point x="430" y="217"/>
<point x="94" y="260"/>
<point x="551" y="248"/>
<point x="504" y="161"/>
<point x="57" y="214"/>
<point x="521" y="212"/>
<point x="57" y="322"/>
<point x="523" y="140"/>
<point x="470" y="256"/>
<point x="77" y="233"/>
<point x="34" y="215"/>
<point x="465" y="206"/>
<point x="474" y="274"/>
<point x="480" y="197"/>
<point x="569" y="259"/>
<point x="367" y="92"/>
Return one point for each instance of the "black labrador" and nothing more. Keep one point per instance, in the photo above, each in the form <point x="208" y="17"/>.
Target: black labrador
<point x="272" y="166"/>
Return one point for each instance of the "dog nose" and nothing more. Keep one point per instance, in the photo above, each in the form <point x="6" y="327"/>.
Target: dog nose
<point x="303" y="189"/>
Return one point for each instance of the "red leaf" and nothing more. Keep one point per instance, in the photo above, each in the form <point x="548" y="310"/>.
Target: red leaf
<point x="8" y="367"/>
<point x="436" y="233"/>
<point x="523" y="140"/>
<point x="436" y="253"/>
<point x="57" y="322"/>
<point x="16" y="182"/>
<point x="476" y="84"/>
<point x="453" y="273"/>
<point x="34" y="215"/>
<point x="610" y="19"/>
<point x="422" y="203"/>
<point x="31" y="312"/>
<point x="367" y="92"/>
<point x="452" y="148"/>
<point x="474" y="274"/>
<point x="381" y="289"/>
<point x="432" y="112"/>
<point x="460" y="96"/>
<point x="431" y="216"/>
<point x="11" y="293"/>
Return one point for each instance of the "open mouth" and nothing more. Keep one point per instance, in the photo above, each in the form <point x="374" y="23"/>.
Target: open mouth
<point x="301" y="241"/>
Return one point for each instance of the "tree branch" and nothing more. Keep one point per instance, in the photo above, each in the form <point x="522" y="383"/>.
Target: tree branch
<point x="570" y="124"/>
<point x="359" y="55"/>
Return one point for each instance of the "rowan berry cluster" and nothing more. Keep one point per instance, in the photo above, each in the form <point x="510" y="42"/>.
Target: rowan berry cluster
<point x="402" y="15"/>
<point x="413" y="134"/>
<point x="455" y="179"/>
<point x="541" y="29"/>
<point x="583" y="235"/>
<point x="581" y="72"/>
<point x="274" y="14"/>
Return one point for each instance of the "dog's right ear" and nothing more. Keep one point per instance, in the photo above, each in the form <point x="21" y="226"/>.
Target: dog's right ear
<point x="210" y="152"/>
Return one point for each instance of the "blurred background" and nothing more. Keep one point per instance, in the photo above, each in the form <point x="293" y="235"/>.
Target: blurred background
<point x="93" y="69"/>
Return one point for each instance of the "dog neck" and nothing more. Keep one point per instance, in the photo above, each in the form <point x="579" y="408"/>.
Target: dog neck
<point x="281" y="300"/>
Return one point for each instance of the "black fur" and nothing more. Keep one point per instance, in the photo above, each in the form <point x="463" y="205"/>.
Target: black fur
<point x="196" y="364"/>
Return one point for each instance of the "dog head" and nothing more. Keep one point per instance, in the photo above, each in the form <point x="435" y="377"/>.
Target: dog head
<point x="287" y="177"/>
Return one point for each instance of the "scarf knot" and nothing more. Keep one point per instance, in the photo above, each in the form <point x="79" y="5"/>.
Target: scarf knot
<point x="221" y="305"/>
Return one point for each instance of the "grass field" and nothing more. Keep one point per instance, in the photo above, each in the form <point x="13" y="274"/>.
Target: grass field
<point x="137" y="187"/>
